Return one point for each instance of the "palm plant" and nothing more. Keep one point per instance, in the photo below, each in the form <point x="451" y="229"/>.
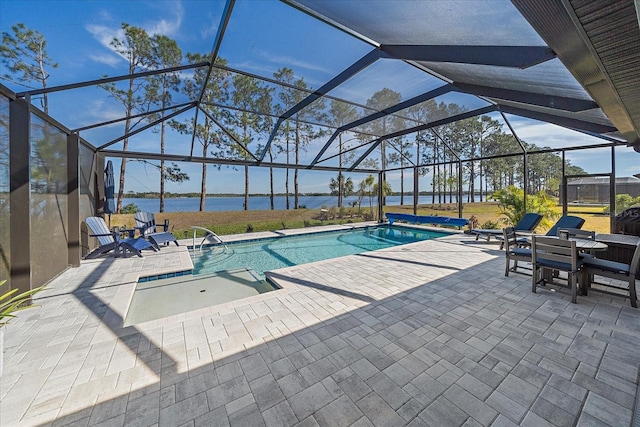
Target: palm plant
<point x="511" y="204"/>
<point x="341" y="187"/>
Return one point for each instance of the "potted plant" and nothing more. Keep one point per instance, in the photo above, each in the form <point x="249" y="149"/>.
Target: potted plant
<point x="9" y="304"/>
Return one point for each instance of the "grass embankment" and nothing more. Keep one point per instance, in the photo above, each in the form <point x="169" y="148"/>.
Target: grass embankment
<point x="234" y="222"/>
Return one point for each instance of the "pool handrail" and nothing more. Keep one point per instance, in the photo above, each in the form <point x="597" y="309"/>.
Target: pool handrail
<point x="208" y="233"/>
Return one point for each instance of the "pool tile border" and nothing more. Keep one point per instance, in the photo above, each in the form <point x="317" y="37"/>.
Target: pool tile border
<point x="153" y="277"/>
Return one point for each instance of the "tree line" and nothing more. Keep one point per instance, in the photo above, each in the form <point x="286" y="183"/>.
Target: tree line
<point x="236" y="117"/>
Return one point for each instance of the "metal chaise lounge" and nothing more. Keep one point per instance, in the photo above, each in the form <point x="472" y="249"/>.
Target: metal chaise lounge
<point x="528" y="223"/>
<point x="110" y="241"/>
<point x="146" y="223"/>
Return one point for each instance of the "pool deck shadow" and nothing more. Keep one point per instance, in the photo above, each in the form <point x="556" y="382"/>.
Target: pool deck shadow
<point x="364" y="340"/>
<point x="279" y="278"/>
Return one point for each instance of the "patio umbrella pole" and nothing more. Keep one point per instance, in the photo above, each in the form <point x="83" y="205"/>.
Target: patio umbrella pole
<point x="109" y="190"/>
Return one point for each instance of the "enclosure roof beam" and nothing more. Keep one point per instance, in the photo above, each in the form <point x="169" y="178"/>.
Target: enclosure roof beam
<point x="446" y="120"/>
<point x="392" y="145"/>
<point x="135" y="116"/>
<point x="217" y="41"/>
<point x="503" y="156"/>
<point x="342" y="152"/>
<point x="143" y="128"/>
<point x="513" y="132"/>
<point x="549" y="101"/>
<point x="446" y="144"/>
<point x="262" y="113"/>
<point x="600" y="136"/>
<point x="373" y="146"/>
<point x="229" y="134"/>
<point x="387" y="111"/>
<point x="501" y="56"/>
<point x="566" y="122"/>
<point x="345" y="75"/>
<point x="219" y="161"/>
<point x="462" y="116"/>
<point x="111" y="79"/>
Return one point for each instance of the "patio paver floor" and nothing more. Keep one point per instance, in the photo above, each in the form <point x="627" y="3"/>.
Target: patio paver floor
<point x="430" y="333"/>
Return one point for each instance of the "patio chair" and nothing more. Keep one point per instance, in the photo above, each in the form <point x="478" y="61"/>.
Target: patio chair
<point x="553" y="254"/>
<point x="528" y="223"/>
<point x="146" y="223"/>
<point x="564" y="222"/>
<point x="110" y="240"/>
<point x="513" y="251"/>
<point x="614" y="270"/>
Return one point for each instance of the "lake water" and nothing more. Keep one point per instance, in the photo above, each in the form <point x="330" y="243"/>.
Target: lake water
<point x="192" y="204"/>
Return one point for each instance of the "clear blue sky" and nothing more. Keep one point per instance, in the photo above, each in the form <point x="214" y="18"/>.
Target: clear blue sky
<point x="257" y="40"/>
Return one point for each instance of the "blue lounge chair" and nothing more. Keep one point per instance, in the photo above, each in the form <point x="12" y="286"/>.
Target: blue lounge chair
<point x="426" y="219"/>
<point x="528" y="223"/>
<point x="110" y="241"/>
<point x="146" y="223"/>
<point x="566" y="221"/>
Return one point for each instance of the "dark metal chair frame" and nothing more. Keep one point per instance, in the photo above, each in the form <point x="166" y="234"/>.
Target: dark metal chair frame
<point x="555" y="254"/>
<point x="513" y="250"/>
<point x="614" y="270"/>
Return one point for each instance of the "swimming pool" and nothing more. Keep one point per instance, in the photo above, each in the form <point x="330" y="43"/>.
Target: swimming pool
<point x="222" y="275"/>
<point x="273" y="253"/>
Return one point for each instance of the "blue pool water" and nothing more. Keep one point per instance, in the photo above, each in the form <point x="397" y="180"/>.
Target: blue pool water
<point x="270" y="254"/>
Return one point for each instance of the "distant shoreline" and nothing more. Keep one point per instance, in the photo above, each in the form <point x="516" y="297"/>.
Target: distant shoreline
<point x="291" y="195"/>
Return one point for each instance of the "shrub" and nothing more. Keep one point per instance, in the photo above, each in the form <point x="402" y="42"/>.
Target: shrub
<point x="249" y="228"/>
<point x="490" y="225"/>
<point x="130" y="208"/>
<point x="333" y="211"/>
<point x="624" y="201"/>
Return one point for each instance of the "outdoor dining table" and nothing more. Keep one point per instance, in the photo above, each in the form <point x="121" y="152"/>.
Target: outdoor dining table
<point x="589" y="246"/>
<point x="583" y="245"/>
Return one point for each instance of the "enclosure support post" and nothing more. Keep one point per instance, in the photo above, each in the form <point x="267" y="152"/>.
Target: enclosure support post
<point x="380" y="197"/>
<point x="526" y="180"/>
<point x="20" y="195"/>
<point x="565" y="196"/>
<point x="416" y="190"/>
<point x="460" y="188"/>
<point x="99" y="171"/>
<point x="612" y="191"/>
<point x="73" y="199"/>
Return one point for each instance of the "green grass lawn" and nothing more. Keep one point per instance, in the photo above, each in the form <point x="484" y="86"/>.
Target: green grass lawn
<point x="234" y="222"/>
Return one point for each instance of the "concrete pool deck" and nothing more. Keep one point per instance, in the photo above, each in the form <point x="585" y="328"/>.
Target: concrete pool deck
<point x="430" y="333"/>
